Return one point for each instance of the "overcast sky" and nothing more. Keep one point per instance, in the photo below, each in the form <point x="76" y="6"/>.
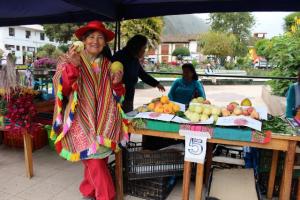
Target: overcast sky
<point x="268" y="22"/>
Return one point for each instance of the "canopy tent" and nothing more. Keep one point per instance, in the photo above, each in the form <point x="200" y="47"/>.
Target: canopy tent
<point x="15" y="12"/>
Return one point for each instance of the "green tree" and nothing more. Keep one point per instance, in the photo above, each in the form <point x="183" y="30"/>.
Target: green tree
<point x="237" y="23"/>
<point x="61" y="32"/>
<point x="263" y="48"/>
<point x="48" y="50"/>
<point x="217" y="44"/>
<point x="181" y="52"/>
<point x="149" y="27"/>
<point x="289" y="20"/>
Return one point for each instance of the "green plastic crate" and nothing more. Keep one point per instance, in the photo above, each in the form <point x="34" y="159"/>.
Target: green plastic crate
<point x="51" y="142"/>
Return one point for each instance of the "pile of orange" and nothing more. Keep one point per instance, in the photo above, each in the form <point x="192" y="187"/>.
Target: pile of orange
<point x="163" y="105"/>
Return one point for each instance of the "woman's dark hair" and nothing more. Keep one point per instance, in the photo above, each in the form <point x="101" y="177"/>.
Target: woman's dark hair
<point x="106" y="52"/>
<point x="136" y="43"/>
<point x="191" y="67"/>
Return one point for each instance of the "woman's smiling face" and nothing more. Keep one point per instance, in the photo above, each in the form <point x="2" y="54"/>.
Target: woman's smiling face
<point x="94" y="43"/>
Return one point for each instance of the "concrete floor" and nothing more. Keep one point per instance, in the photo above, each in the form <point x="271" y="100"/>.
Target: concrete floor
<point x="56" y="179"/>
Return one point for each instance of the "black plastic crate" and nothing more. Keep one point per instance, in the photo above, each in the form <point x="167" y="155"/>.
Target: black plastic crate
<point x="263" y="185"/>
<point x="141" y="164"/>
<point x="151" y="189"/>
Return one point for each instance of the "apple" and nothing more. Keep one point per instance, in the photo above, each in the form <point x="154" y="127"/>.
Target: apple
<point x="198" y="109"/>
<point x="230" y="107"/>
<point x="194" y="117"/>
<point x="207" y="111"/>
<point x="225" y="113"/>
<point x="245" y="112"/>
<point x="237" y="111"/>
<point x="250" y="110"/>
<point x="204" y="117"/>
<point x="200" y="99"/>
<point x="116" y="67"/>
<point x="216" y="111"/>
<point x="192" y="108"/>
<point x="79" y="46"/>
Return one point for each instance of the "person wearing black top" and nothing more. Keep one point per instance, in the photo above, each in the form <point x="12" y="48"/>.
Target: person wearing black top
<point x="130" y="57"/>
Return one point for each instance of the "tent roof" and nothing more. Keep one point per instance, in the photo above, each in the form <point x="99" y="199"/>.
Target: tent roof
<point x="16" y="12"/>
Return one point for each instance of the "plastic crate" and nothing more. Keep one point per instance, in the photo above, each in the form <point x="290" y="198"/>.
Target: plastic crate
<point x="51" y="142"/>
<point x="265" y="161"/>
<point x="141" y="164"/>
<point x="152" y="189"/>
<point x="263" y="185"/>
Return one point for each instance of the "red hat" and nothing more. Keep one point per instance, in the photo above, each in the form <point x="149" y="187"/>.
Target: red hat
<point x="97" y="26"/>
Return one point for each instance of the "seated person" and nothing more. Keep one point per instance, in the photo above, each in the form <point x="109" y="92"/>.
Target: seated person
<point x="188" y="87"/>
<point x="293" y="98"/>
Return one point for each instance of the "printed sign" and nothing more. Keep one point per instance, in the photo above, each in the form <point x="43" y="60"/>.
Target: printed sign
<point x="195" y="147"/>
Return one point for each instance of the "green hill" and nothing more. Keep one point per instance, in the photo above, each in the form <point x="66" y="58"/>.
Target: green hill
<point x="184" y="25"/>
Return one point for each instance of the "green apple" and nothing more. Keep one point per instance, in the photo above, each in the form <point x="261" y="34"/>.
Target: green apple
<point x="79" y="46"/>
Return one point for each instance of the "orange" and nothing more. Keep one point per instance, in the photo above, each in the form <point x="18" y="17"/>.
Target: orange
<point x="164" y="100"/>
<point x="151" y="106"/>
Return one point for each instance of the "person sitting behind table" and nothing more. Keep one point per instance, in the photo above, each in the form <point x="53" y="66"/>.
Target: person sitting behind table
<point x="188" y="87"/>
<point x="293" y="98"/>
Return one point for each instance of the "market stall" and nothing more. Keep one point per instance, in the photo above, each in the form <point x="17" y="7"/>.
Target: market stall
<point x="150" y="120"/>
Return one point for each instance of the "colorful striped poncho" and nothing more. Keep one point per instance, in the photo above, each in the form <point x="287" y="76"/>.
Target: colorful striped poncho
<point x="92" y="104"/>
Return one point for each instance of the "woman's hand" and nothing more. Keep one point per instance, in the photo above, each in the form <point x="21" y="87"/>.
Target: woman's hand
<point x="74" y="56"/>
<point x="117" y="77"/>
<point x="161" y="88"/>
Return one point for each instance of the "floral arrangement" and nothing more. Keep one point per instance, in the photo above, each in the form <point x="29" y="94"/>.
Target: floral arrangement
<point x="19" y="107"/>
<point x="45" y="63"/>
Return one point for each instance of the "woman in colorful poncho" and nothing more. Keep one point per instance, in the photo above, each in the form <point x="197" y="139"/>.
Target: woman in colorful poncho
<point x="88" y="123"/>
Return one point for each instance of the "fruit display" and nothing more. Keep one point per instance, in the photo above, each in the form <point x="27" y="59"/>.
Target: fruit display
<point x="163" y="105"/>
<point x="201" y="112"/>
<point x="234" y="109"/>
<point x="200" y="100"/>
<point x="160" y="105"/>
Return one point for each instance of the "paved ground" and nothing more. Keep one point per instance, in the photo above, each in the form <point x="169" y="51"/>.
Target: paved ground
<point x="56" y="179"/>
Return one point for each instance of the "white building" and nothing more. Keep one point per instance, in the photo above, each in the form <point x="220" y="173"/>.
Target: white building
<point x="169" y="43"/>
<point x="23" y="40"/>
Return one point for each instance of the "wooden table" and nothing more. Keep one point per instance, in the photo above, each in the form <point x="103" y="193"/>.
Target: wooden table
<point x="278" y="143"/>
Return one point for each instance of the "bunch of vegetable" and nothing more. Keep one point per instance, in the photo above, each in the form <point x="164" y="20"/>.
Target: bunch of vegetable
<point x="278" y="125"/>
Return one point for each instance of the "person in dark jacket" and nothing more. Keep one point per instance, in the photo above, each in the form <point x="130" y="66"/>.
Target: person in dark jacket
<point x="130" y="57"/>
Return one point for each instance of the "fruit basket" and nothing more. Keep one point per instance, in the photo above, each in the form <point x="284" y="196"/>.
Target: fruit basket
<point x="141" y="164"/>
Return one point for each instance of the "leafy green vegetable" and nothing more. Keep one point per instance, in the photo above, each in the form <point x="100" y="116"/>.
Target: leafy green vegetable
<point x="278" y="125"/>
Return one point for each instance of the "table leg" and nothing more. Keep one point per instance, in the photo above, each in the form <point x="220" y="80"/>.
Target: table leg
<point x="28" y="154"/>
<point x="186" y="180"/>
<point x="208" y="161"/>
<point x="272" y="174"/>
<point x="199" y="182"/>
<point x="298" y="191"/>
<point x="287" y="175"/>
<point x="119" y="176"/>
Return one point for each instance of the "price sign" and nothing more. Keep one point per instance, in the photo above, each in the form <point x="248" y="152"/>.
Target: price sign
<point x="195" y="147"/>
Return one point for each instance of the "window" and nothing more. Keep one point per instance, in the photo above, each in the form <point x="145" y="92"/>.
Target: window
<point x="23" y="48"/>
<point x="51" y="39"/>
<point x="18" y="48"/>
<point x="9" y="47"/>
<point x="165" y="49"/>
<point x="11" y="31"/>
<point x="31" y="49"/>
<point x="28" y="33"/>
<point x="42" y="36"/>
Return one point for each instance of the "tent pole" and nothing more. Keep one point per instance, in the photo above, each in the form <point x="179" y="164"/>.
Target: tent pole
<point x="119" y="35"/>
<point x="116" y="37"/>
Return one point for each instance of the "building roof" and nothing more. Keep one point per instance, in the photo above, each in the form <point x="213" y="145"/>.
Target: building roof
<point x="178" y="38"/>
